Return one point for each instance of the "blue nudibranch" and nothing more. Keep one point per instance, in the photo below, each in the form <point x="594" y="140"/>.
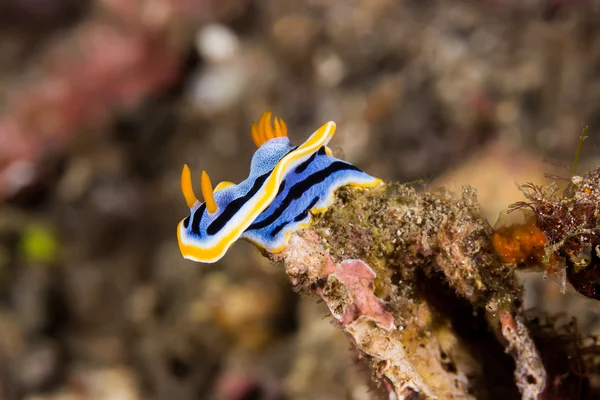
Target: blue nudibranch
<point x="286" y="184"/>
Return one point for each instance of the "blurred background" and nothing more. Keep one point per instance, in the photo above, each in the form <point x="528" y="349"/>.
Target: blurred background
<point x="103" y="101"/>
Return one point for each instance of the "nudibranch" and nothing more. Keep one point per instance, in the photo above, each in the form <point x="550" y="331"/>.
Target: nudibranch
<point x="285" y="186"/>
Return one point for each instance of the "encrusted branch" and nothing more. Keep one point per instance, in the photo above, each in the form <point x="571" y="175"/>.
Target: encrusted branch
<point x="399" y="271"/>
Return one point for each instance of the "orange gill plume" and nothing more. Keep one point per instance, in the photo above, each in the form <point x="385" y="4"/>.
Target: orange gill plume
<point x="265" y="131"/>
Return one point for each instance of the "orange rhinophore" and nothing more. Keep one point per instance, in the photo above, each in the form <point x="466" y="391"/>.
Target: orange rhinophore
<point x="519" y="242"/>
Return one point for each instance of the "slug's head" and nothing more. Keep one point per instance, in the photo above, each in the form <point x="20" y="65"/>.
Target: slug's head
<point x="192" y="229"/>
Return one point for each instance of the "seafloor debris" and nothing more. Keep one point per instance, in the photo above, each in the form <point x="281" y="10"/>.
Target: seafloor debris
<point x="408" y="278"/>
<point x="562" y="234"/>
